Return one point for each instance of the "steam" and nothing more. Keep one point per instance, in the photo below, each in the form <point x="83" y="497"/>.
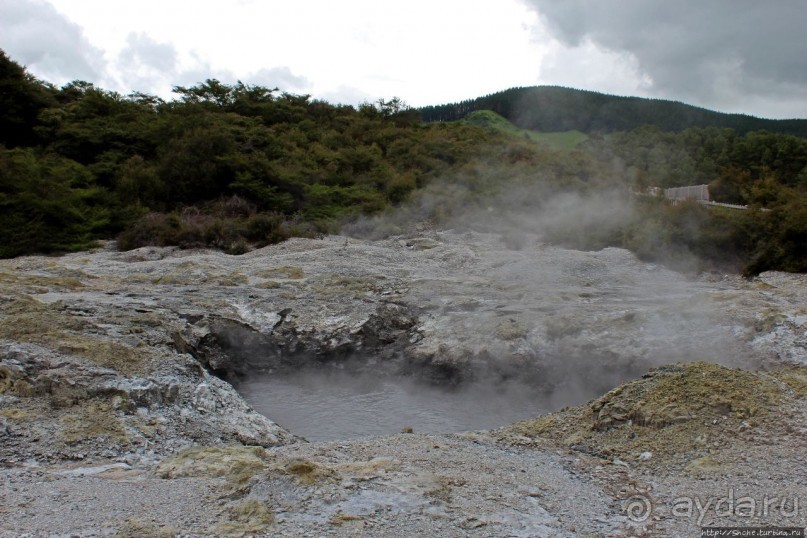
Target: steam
<point x="591" y="320"/>
<point x="580" y="218"/>
<point x="526" y="306"/>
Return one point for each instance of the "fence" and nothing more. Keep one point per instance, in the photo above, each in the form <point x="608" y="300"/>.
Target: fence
<point x="694" y="192"/>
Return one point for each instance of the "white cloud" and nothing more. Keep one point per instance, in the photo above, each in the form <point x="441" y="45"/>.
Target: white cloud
<point x="425" y="52"/>
<point x="282" y="78"/>
<point x="748" y="58"/>
<point x="347" y="95"/>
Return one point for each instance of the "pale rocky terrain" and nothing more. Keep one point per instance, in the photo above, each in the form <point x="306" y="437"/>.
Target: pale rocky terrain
<point x="117" y="417"/>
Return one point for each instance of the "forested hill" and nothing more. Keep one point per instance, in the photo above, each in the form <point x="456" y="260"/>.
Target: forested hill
<point x="237" y="167"/>
<point x="552" y="108"/>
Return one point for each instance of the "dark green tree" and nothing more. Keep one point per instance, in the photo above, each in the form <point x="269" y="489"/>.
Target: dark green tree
<point x="22" y="99"/>
<point x="47" y="203"/>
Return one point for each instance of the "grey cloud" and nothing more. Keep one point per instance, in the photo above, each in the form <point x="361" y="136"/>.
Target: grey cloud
<point x="142" y="51"/>
<point x="714" y="52"/>
<point x="47" y="43"/>
<point x="146" y="65"/>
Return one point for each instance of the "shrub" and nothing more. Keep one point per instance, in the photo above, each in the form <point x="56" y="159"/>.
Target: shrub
<point x="231" y="227"/>
<point x="265" y="228"/>
<point x="152" y="229"/>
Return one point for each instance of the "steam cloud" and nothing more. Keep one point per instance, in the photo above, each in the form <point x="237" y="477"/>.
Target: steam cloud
<point x="545" y="326"/>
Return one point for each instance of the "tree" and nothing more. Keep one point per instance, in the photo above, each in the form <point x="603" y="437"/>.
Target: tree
<point x="22" y="98"/>
<point x="210" y="91"/>
<point x="47" y="203"/>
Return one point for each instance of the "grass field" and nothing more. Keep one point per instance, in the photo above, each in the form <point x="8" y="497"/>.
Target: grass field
<point x="560" y="140"/>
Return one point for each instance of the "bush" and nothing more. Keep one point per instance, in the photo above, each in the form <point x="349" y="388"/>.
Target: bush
<point x="231" y="227"/>
<point x="156" y="229"/>
<point x="265" y="229"/>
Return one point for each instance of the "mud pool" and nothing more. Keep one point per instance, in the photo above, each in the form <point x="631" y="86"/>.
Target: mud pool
<point x="322" y="405"/>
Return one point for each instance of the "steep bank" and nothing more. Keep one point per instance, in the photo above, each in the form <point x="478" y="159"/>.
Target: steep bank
<point x="117" y="359"/>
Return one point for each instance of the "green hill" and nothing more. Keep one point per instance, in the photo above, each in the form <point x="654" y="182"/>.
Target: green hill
<point x="488" y="119"/>
<point x="554" y="109"/>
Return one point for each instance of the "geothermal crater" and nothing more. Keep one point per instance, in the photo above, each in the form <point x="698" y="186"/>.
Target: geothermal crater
<point x="342" y="338"/>
<point x="118" y="412"/>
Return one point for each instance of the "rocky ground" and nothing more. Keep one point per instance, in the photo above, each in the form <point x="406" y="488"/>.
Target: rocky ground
<point x="116" y="419"/>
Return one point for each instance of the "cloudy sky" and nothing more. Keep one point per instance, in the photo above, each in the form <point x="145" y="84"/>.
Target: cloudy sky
<point x="729" y="55"/>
